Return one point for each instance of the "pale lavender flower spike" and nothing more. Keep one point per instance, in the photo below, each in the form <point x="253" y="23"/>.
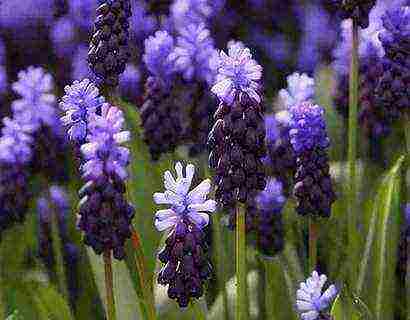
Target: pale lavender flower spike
<point x="237" y="73"/>
<point x="310" y="301"/>
<point x="183" y="203"/>
<point x="301" y="88"/>
<point x="37" y="103"/>
<point x="104" y="153"/>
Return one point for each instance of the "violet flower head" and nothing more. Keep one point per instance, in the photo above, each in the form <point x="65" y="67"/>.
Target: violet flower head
<point x="301" y="88"/>
<point x="157" y="56"/>
<point x="313" y="185"/>
<point x="184" y="204"/>
<point x="130" y="81"/>
<point x="238" y="73"/>
<point x="396" y="33"/>
<point x="82" y="99"/>
<point x="185" y="12"/>
<point x="310" y="301"/>
<point x="308" y="127"/>
<point x="141" y="22"/>
<point x="103" y="152"/>
<point x="63" y="36"/>
<point x="83" y="12"/>
<point x="186" y="263"/>
<point x="269" y="225"/>
<point x="37" y="104"/>
<point x="193" y="51"/>
<point x="15" y="142"/>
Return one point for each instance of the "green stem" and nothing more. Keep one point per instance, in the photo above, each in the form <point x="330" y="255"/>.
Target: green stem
<point x="352" y="154"/>
<point x="197" y="310"/>
<point x="313" y="235"/>
<point x="109" y="286"/>
<point x="219" y="259"/>
<point x="406" y="127"/>
<point x="2" y="301"/>
<point x="142" y="274"/>
<point x="57" y="250"/>
<point x="270" y="288"/>
<point x="241" y="286"/>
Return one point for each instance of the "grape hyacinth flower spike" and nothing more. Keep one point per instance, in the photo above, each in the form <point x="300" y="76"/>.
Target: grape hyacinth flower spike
<point x="15" y="153"/>
<point x="269" y="225"/>
<point x="81" y="101"/>
<point x="187" y="266"/>
<point x="311" y="302"/>
<point x="109" y="47"/>
<point x="160" y="114"/>
<point x="393" y="88"/>
<point x="104" y="213"/>
<point x="237" y="139"/>
<point x="313" y="186"/>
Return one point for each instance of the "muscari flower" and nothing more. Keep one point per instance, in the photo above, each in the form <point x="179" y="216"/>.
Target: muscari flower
<point x="310" y="301"/>
<point x="313" y="186"/>
<point x="3" y="80"/>
<point x="193" y="52"/>
<point x="237" y="74"/>
<point x="82" y="99"/>
<point x="83" y="12"/>
<point x="129" y="83"/>
<point x="63" y="36"/>
<point x="157" y="55"/>
<point x="237" y="139"/>
<point x="79" y="65"/>
<point x="269" y="226"/>
<point x="300" y="88"/>
<point x="103" y="152"/>
<point x="184" y="204"/>
<point x="281" y="158"/>
<point x="15" y="153"/>
<point x="104" y="214"/>
<point x="187" y="265"/>
<point x="109" y="47"/>
<point x="185" y="12"/>
<point x="36" y="105"/>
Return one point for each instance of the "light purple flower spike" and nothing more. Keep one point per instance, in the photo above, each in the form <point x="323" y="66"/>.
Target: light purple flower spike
<point x="310" y="301"/>
<point x="238" y="73"/>
<point x="301" y="88"/>
<point x="183" y="203"/>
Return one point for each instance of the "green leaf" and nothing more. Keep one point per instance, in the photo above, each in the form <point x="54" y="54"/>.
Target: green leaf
<point x="387" y="238"/>
<point x="379" y="217"/>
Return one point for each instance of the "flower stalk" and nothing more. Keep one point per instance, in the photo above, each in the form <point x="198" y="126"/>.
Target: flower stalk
<point x="144" y="281"/>
<point x="313" y="236"/>
<point x="109" y="286"/>
<point x="241" y="287"/>
<point x="352" y="153"/>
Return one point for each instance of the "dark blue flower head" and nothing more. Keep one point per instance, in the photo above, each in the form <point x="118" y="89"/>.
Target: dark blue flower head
<point x="395" y="36"/>
<point x="82" y="99"/>
<point x="301" y="88"/>
<point x="193" y="53"/>
<point x="36" y="106"/>
<point x="157" y="55"/>
<point x="103" y="152"/>
<point x="308" y="127"/>
<point x="238" y="73"/>
<point x="15" y="142"/>
<point x="310" y="301"/>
